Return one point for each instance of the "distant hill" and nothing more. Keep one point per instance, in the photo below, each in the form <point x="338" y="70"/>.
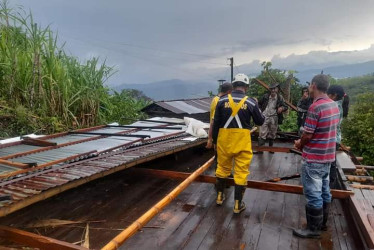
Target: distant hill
<point x="179" y="89"/>
<point x="172" y="89"/>
<point x="343" y="71"/>
<point x="355" y="86"/>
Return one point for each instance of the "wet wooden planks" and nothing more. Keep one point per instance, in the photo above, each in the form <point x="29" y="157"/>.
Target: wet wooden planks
<point x="267" y="222"/>
<point x="193" y="220"/>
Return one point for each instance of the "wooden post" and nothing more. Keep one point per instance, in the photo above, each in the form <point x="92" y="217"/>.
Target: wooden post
<point x="146" y="217"/>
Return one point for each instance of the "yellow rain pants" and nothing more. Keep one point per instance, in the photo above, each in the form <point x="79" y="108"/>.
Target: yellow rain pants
<point x="234" y="144"/>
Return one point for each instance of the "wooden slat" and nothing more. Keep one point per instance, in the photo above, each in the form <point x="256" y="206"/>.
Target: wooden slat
<point x="14" y="164"/>
<point x="35" y="240"/>
<point x="37" y="142"/>
<point x="361" y="219"/>
<point x="277" y="187"/>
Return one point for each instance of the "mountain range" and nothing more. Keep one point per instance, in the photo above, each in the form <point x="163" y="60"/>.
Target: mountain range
<point x="180" y="89"/>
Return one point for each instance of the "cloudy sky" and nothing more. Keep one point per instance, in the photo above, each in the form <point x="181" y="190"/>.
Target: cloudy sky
<point x="150" y="41"/>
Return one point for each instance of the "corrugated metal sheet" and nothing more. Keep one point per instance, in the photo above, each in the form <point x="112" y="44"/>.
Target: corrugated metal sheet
<point x="97" y="143"/>
<point x="189" y="106"/>
<point x="36" y="183"/>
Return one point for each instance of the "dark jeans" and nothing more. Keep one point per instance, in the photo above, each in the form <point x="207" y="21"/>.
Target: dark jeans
<point x="315" y="179"/>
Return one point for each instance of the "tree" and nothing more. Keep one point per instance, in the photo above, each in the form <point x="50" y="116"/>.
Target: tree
<point x="358" y="128"/>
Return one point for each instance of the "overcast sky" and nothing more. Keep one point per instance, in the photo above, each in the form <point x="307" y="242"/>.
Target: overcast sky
<point x="149" y="41"/>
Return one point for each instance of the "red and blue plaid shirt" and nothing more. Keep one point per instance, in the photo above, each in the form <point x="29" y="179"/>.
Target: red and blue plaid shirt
<point x="321" y="121"/>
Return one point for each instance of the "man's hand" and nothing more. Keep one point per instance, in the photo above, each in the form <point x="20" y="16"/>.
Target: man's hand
<point x="280" y="110"/>
<point x="297" y="144"/>
<point x="209" y="144"/>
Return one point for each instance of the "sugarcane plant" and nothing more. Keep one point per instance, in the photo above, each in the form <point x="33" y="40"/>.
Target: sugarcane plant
<point x="43" y="89"/>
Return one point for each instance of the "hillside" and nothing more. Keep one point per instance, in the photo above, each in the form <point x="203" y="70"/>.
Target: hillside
<point x="343" y="71"/>
<point x="181" y="89"/>
<point x="354" y="86"/>
<point x="172" y="89"/>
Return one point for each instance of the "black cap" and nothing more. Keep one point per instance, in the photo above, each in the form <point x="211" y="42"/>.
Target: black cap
<point x="274" y="85"/>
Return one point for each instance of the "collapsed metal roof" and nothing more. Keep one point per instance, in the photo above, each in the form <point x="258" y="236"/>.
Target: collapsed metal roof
<point x="55" y="163"/>
<point x="185" y="106"/>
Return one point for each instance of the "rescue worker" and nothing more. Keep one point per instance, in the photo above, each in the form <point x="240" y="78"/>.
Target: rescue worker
<point x="224" y="89"/>
<point x="272" y="106"/>
<point x="231" y="133"/>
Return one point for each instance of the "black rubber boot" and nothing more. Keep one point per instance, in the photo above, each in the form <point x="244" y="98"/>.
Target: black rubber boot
<point x="271" y="143"/>
<point x="314" y="217"/>
<point x="239" y="205"/>
<point x="326" y="211"/>
<point x="261" y="142"/>
<point x="220" y="187"/>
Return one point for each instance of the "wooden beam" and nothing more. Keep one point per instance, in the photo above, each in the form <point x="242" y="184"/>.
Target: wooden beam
<point x="37" y="142"/>
<point x="365" y="167"/>
<point x="272" y="149"/>
<point x="267" y="87"/>
<point x="359" y="178"/>
<point x="360" y="215"/>
<point x="262" y="185"/>
<point x="35" y="240"/>
<point x="2" y="176"/>
<point x="14" y="164"/>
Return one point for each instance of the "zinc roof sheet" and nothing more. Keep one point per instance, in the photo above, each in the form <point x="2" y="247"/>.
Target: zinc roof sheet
<point x="189" y="106"/>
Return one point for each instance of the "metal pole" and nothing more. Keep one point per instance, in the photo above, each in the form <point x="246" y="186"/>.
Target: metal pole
<point x="232" y="68"/>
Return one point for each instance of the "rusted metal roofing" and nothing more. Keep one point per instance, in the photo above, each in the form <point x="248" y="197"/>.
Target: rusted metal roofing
<point x="188" y="106"/>
<point x="84" y="156"/>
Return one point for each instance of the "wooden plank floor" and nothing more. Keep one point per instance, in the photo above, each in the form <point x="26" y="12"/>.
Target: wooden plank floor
<point x="193" y="220"/>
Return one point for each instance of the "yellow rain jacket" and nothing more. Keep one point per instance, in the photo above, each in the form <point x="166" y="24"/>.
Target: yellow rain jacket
<point x="231" y="133"/>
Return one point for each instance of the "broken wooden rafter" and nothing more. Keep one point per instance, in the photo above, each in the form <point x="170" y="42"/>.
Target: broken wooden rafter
<point x="35" y="240"/>
<point x="37" y="142"/>
<point x="277" y="187"/>
<point x="3" y="176"/>
<point x="276" y="149"/>
<point x="361" y="186"/>
<point x="359" y="178"/>
<point x="108" y="134"/>
<point x="365" y="167"/>
<point x="16" y="164"/>
<point x="283" y="178"/>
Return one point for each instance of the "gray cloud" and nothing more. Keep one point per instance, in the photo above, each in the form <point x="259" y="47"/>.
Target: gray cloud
<point x="157" y="40"/>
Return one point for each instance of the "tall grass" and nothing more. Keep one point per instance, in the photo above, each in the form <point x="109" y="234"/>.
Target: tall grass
<point x="37" y="75"/>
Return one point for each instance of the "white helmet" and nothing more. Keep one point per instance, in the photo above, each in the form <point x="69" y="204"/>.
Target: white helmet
<point x="241" y="78"/>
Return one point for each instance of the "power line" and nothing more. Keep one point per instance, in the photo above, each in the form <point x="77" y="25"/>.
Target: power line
<point x="206" y="57"/>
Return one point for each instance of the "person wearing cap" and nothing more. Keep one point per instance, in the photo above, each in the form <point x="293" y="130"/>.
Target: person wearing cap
<point x="273" y="106"/>
<point x="231" y="133"/>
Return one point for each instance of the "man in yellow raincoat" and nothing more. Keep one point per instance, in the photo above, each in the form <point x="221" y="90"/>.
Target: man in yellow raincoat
<point x="231" y="133"/>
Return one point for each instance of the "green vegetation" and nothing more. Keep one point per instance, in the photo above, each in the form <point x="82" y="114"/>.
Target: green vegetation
<point x="358" y="128"/>
<point x="45" y="90"/>
<point x="355" y="86"/>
